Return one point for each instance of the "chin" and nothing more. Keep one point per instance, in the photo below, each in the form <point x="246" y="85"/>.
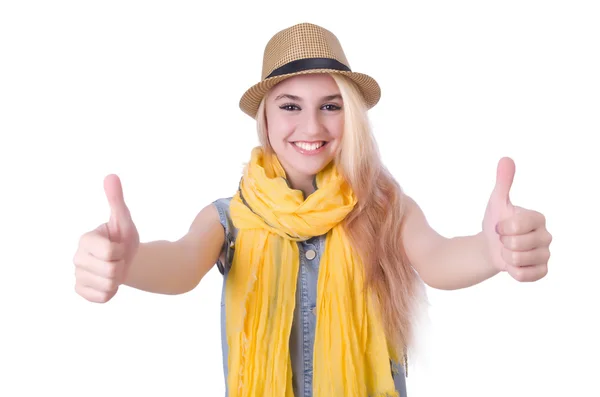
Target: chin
<point x="312" y="167"/>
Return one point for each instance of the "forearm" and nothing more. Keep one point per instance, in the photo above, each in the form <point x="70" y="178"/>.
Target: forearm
<point x="177" y="267"/>
<point x="164" y="267"/>
<point x="458" y="262"/>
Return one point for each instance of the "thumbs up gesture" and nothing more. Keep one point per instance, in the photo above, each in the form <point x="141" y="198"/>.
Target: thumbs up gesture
<point x="517" y="238"/>
<point x="105" y="253"/>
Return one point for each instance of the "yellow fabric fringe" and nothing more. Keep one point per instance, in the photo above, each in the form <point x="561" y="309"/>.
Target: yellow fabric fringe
<point x="351" y="357"/>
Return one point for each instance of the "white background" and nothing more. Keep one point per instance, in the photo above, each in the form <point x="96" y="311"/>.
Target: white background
<point x="149" y="90"/>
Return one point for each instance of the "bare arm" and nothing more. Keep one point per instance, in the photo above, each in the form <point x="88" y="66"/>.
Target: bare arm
<point x="176" y="267"/>
<point x="444" y="263"/>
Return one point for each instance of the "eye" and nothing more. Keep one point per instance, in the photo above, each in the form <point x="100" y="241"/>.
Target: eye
<point x="289" y="107"/>
<point x="331" y="107"/>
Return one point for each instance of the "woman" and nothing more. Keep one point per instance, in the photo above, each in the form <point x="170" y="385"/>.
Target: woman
<point x="323" y="255"/>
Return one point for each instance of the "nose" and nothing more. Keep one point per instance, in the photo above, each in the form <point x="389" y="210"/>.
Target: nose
<point x="311" y="124"/>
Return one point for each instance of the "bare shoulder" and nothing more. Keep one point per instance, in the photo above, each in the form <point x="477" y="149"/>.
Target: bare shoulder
<point x="206" y="220"/>
<point x="205" y="235"/>
<point x="418" y="237"/>
<point x="413" y="215"/>
<point x="206" y="223"/>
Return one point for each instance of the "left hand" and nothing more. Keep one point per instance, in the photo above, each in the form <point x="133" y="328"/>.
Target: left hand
<point x="516" y="238"/>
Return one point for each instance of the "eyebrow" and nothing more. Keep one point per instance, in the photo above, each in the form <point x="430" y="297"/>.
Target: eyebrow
<point x="297" y="98"/>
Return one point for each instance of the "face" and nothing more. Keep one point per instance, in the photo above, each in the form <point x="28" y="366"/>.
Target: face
<point x="305" y="123"/>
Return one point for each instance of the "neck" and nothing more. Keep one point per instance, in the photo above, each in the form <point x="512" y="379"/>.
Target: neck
<point x="304" y="183"/>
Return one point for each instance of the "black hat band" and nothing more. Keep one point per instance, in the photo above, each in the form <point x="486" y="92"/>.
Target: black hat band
<point x="308" y="64"/>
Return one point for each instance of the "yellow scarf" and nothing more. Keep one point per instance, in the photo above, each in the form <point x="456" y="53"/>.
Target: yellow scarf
<point x="351" y="357"/>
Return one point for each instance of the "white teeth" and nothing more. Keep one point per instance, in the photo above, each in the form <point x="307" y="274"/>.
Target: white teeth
<point x="309" y="146"/>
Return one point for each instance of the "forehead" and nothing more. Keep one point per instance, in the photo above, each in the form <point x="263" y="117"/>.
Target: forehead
<point x="307" y="85"/>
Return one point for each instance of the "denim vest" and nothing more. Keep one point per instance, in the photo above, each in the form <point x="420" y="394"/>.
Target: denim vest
<point x="303" y="326"/>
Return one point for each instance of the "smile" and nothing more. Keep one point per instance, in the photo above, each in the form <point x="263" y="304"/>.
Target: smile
<point x="309" y="147"/>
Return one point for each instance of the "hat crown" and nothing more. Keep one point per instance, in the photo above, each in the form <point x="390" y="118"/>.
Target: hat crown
<point x="301" y="41"/>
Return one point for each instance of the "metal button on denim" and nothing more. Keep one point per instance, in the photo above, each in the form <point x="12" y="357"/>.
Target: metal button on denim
<point x="310" y="255"/>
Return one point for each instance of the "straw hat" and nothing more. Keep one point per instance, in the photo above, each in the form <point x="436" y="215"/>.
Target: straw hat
<point x="302" y="49"/>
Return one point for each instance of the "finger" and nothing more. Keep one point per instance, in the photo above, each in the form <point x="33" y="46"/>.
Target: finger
<point x="528" y="273"/>
<point x="538" y="256"/>
<point x="92" y="295"/>
<point x="526" y="242"/>
<point x="98" y="245"/>
<point x="93" y="281"/>
<point x="505" y="175"/>
<point x="520" y="223"/>
<point x="119" y="213"/>
<point x="101" y="268"/>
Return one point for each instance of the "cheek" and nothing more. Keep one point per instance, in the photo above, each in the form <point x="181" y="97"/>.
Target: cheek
<point x="279" y="129"/>
<point x="336" y="128"/>
<point x="276" y="136"/>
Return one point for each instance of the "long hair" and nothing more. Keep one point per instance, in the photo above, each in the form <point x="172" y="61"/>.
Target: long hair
<point x="375" y="224"/>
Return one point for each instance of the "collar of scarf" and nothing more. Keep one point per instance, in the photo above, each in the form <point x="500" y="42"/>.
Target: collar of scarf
<point x="351" y="356"/>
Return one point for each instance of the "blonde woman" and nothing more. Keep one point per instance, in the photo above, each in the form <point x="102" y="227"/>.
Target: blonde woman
<point x="323" y="256"/>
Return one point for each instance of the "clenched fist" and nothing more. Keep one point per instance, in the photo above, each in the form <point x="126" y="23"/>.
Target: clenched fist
<point x="105" y="253"/>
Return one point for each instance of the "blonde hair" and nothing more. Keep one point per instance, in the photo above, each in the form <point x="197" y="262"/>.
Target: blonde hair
<point x="375" y="223"/>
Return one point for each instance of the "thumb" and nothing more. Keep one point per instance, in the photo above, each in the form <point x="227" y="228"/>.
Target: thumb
<point x="119" y="213"/>
<point x="505" y="175"/>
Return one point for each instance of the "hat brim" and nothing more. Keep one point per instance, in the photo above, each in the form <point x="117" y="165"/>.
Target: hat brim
<point x="250" y="101"/>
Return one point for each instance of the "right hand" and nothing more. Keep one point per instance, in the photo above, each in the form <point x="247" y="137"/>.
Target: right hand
<point x="105" y="253"/>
